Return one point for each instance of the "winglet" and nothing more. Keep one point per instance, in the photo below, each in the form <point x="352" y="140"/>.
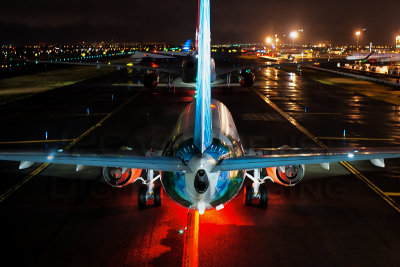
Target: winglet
<point x="378" y="163"/>
<point x="79" y="167"/>
<point x="197" y="25"/>
<point x="25" y="164"/>
<point x="325" y="165"/>
<point x="368" y="56"/>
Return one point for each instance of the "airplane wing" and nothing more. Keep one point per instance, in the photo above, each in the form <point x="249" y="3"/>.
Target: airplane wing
<point x="131" y="65"/>
<point x="158" y="55"/>
<point x="317" y="156"/>
<point x="173" y="164"/>
<point x="223" y="71"/>
<point x="171" y="54"/>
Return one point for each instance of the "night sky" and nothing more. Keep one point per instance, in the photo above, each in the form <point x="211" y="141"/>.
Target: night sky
<point x="174" y="21"/>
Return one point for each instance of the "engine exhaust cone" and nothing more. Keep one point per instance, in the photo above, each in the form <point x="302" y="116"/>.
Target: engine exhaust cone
<point x="201" y="181"/>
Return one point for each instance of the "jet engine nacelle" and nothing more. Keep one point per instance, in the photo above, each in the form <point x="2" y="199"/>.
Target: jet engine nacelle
<point x="119" y="177"/>
<point x="286" y="175"/>
<point x="151" y="79"/>
<point x="246" y="79"/>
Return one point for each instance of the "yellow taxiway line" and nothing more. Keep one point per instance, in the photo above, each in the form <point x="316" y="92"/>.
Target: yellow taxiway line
<point x="191" y="243"/>
<point x="319" y="113"/>
<point x="371" y="185"/>
<point x="81" y="115"/>
<point x="347" y="165"/>
<point x="355" y="138"/>
<point x="35" y="141"/>
<point x="74" y="141"/>
<point x="392" y="194"/>
<point x="23" y="181"/>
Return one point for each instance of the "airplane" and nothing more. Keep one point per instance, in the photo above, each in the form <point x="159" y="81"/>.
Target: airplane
<point x="204" y="164"/>
<point x="187" y="70"/>
<point x="375" y="57"/>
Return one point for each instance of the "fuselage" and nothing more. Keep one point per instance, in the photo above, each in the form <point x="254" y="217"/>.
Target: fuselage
<point x="189" y="69"/>
<point x="219" y="187"/>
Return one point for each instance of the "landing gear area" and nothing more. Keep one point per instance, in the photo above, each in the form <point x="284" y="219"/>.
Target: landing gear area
<point x="169" y="90"/>
<point x="149" y="191"/>
<point x="258" y="190"/>
<point x="227" y="90"/>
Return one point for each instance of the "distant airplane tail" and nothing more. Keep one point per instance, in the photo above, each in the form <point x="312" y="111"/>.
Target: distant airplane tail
<point x="197" y="26"/>
<point x="368" y="56"/>
<point x="187" y="46"/>
<point x="202" y="129"/>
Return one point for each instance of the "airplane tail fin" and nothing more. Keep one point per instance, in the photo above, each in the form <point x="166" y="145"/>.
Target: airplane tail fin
<point x="187" y="46"/>
<point x="202" y="129"/>
<point x="197" y="26"/>
<point x="368" y="56"/>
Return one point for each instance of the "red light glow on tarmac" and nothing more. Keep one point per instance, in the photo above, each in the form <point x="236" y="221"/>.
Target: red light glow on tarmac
<point x="191" y="244"/>
<point x="227" y="216"/>
<point x="210" y="222"/>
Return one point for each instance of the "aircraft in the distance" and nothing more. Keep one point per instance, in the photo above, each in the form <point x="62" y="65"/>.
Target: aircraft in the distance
<point x="186" y="70"/>
<point x="375" y="57"/>
<point x="204" y="164"/>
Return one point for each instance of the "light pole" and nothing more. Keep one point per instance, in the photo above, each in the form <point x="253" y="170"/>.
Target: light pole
<point x="268" y="40"/>
<point x="293" y="35"/>
<point x="398" y="43"/>
<point x="358" y="33"/>
<point x="276" y="43"/>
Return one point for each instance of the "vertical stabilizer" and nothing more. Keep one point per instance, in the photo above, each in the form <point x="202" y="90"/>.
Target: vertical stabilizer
<point x="187" y="46"/>
<point x="202" y="129"/>
<point x="197" y="25"/>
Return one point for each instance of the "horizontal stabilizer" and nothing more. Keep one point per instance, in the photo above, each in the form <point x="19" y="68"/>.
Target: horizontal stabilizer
<point x="173" y="164"/>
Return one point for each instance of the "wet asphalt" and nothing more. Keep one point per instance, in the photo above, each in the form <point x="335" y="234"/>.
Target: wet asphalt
<point x="66" y="218"/>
